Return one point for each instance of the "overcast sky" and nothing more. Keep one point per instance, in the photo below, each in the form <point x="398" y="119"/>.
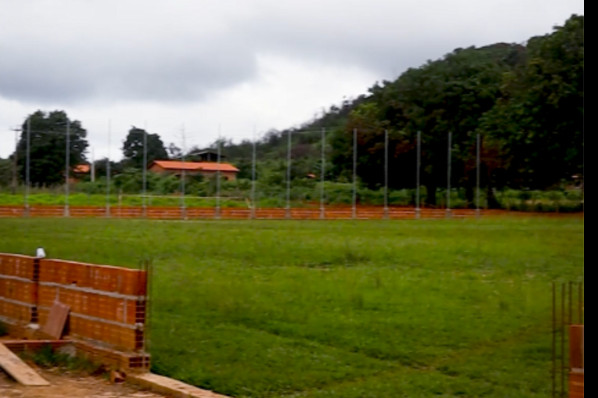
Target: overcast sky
<point x="194" y="70"/>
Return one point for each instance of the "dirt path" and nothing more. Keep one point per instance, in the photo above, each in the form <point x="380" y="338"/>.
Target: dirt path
<point x="71" y="384"/>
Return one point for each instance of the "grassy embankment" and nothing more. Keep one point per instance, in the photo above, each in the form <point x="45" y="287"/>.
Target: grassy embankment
<point x="341" y="308"/>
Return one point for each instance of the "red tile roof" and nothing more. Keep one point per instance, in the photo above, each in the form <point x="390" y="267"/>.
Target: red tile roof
<point x="195" y="166"/>
<point x="81" y="168"/>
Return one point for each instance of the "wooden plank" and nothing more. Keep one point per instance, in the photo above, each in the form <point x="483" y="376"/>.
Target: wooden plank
<point x="19" y="370"/>
<point x="54" y="325"/>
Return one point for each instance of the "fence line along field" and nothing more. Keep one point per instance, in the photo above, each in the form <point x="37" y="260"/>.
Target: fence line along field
<point x="458" y="307"/>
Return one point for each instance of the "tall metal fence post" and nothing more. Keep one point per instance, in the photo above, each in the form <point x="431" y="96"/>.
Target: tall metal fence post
<point x="108" y="171"/>
<point x="354" y="200"/>
<point x="448" y="177"/>
<point x="386" y="174"/>
<point x="322" y="173"/>
<point x="144" y="197"/>
<point x="253" y="158"/>
<point x="417" y="178"/>
<point x="477" y="205"/>
<point x="27" y="167"/>
<point x="288" y="204"/>
<point x="67" y="154"/>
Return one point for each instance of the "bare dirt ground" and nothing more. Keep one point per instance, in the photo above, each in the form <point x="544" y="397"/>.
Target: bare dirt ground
<point x="65" y="384"/>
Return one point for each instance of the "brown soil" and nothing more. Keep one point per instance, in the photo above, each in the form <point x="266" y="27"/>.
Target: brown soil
<point x="71" y="384"/>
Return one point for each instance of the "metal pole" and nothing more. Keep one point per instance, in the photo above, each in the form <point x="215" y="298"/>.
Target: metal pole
<point x="144" y="205"/>
<point x="218" y="180"/>
<point x="253" y="179"/>
<point x="288" y="205"/>
<point x="354" y="201"/>
<point x="93" y="166"/>
<point x="448" y="176"/>
<point x="183" y="210"/>
<point x="322" y="172"/>
<point x="15" y="162"/>
<point x="477" y="210"/>
<point x="108" y="172"/>
<point x="386" y="174"/>
<point x="417" y="183"/>
<point x="553" y="339"/>
<point x="27" y="167"/>
<point x="66" y="171"/>
<point x="563" y="292"/>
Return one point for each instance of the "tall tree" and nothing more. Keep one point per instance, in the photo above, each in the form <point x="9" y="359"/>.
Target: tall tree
<point x="540" y="115"/>
<point x="47" y="147"/>
<point x="133" y="148"/>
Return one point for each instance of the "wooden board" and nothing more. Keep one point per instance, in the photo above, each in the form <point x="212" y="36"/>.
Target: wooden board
<point x="19" y="370"/>
<point x="56" y="320"/>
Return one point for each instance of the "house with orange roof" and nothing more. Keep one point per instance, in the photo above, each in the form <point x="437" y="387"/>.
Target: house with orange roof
<point x="227" y="171"/>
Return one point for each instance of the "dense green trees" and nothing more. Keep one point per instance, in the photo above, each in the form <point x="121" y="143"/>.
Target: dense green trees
<point x="47" y="147"/>
<point x="525" y="101"/>
<point x="133" y="148"/>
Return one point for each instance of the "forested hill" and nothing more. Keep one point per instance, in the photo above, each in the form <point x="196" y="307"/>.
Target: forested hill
<point x="526" y="101"/>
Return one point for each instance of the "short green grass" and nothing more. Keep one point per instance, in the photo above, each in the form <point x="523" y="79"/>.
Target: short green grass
<point x="416" y="308"/>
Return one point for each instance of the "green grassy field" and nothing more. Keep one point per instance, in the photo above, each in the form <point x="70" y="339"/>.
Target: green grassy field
<point x="416" y="308"/>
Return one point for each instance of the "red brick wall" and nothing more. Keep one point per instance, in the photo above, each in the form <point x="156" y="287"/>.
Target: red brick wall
<point x="107" y="304"/>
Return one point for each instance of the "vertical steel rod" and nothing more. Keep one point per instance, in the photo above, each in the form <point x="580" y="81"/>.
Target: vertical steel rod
<point x="28" y="166"/>
<point x="183" y="177"/>
<point x="417" y="182"/>
<point x="67" y="153"/>
<point x="554" y="330"/>
<point x="386" y="174"/>
<point x="448" y="176"/>
<point x="288" y="204"/>
<point x="477" y="210"/>
<point x="322" y="174"/>
<point x="563" y="294"/>
<point x="253" y="179"/>
<point x="108" y="172"/>
<point x="144" y="165"/>
<point x="354" y="201"/>
<point x="218" y="176"/>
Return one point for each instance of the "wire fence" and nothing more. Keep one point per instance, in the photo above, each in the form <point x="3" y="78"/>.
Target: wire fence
<point x="329" y="193"/>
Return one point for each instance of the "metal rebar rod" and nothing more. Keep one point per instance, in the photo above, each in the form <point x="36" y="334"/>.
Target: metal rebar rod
<point x="322" y="173"/>
<point x="144" y="204"/>
<point x="354" y="200"/>
<point x="218" y="149"/>
<point x="448" y="176"/>
<point x="554" y="331"/>
<point x="28" y="166"/>
<point x="108" y="173"/>
<point x="563" y="293"/>
<point x="386" y="174"/>
<point x="253" y="157"/>
<point x="417" y="172"/>
<point x="478" y="175"/>
<point x="288" y="204"/>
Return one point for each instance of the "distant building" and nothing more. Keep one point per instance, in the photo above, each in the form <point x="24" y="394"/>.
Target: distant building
<point x="79" y="173"/>
<point x="227" y="171"/>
